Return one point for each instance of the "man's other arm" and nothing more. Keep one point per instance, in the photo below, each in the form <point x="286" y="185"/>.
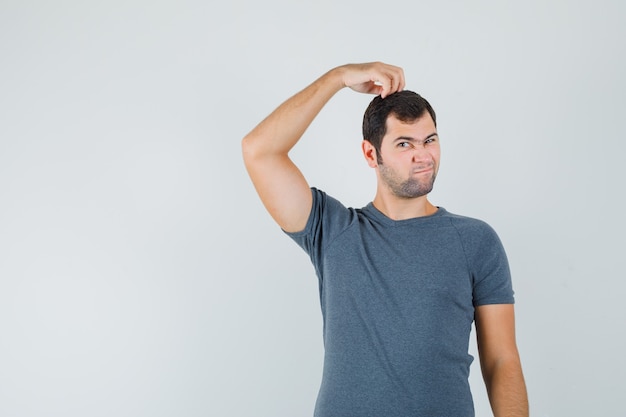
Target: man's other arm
<point x="281" y="186"/>
<point x="500" y="361"/>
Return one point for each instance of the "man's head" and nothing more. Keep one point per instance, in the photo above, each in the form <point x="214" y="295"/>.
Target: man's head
<point x="401" y="143"/>
<point x="406" y="106"/>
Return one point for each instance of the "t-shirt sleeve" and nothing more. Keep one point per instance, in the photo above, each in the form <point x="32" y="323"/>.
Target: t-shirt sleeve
<point x="328" y="218"/>
<point x="489" y="266"/>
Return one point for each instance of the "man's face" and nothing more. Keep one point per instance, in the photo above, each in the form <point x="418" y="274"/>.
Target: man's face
<point x="410" y="157"/>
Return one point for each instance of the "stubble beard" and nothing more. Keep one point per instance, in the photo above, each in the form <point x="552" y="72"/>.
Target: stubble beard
<point x="409" y="188"/>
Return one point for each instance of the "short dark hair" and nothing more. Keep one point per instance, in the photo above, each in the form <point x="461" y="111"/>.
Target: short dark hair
<point x="405" y="105"/>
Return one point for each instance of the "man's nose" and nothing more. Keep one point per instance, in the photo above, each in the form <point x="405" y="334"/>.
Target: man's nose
<point x="420" y="153"/>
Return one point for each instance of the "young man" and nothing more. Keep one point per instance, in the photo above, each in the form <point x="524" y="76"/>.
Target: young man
<point x="401" y="280"/>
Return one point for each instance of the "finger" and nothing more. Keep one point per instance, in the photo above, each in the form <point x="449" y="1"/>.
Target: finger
<point x="374" y="87"/>
<point x="386" y="86"/>
<point x="395" y="77"/>
<point x="401" y="80"/>
<point x="398" y="79"/>
<point x="390" y="85"/>
<point x="395" y="84"/>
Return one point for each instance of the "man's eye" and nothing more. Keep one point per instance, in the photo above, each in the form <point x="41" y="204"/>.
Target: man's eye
<point x="403" y="144"/>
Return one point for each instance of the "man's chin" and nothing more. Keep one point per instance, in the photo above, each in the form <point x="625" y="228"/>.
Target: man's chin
<point x="411" y="193"/>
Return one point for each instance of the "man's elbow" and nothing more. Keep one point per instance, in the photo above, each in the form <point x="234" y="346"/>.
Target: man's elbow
<point x="506" y="363"/>
<point x="250" y="149"/>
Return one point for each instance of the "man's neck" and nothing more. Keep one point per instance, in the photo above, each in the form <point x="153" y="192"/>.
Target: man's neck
<point x="403" y="208"/>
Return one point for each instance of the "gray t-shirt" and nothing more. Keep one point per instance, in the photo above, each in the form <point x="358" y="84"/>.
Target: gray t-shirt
<point x="397" y="301"/>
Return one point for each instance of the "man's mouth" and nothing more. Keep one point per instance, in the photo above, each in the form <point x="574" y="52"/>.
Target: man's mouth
<point x="423" y="169"/>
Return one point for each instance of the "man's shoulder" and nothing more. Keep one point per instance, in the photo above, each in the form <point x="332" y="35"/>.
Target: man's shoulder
<point x="331" y="203"/>
<point x="331" y="212"/>
<point x="469" y="224"/>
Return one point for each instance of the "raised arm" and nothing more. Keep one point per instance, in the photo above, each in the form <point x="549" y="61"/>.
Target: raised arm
<point x="499" y="360"/>
<point x="279" y="183"/>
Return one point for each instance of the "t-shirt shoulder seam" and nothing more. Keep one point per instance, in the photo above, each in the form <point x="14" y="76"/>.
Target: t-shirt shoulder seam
<point x="344" y="230"/>
<point x="462" y="242"/>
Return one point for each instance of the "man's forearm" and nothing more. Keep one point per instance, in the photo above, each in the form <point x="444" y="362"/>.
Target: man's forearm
<point x="282" y="129"/>
<point x="507" y="390"/>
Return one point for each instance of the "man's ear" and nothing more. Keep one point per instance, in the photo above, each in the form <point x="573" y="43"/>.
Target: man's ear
<point x="369" y="152"/>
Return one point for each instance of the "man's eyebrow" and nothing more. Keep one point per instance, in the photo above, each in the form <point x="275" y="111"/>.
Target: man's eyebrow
<point x="412" y="139"/>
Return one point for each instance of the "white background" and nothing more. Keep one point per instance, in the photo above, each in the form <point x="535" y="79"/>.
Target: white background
<point x="139" y="273"/>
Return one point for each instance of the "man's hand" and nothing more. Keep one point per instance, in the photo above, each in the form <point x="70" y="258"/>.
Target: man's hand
<point x="373" y="78"/>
